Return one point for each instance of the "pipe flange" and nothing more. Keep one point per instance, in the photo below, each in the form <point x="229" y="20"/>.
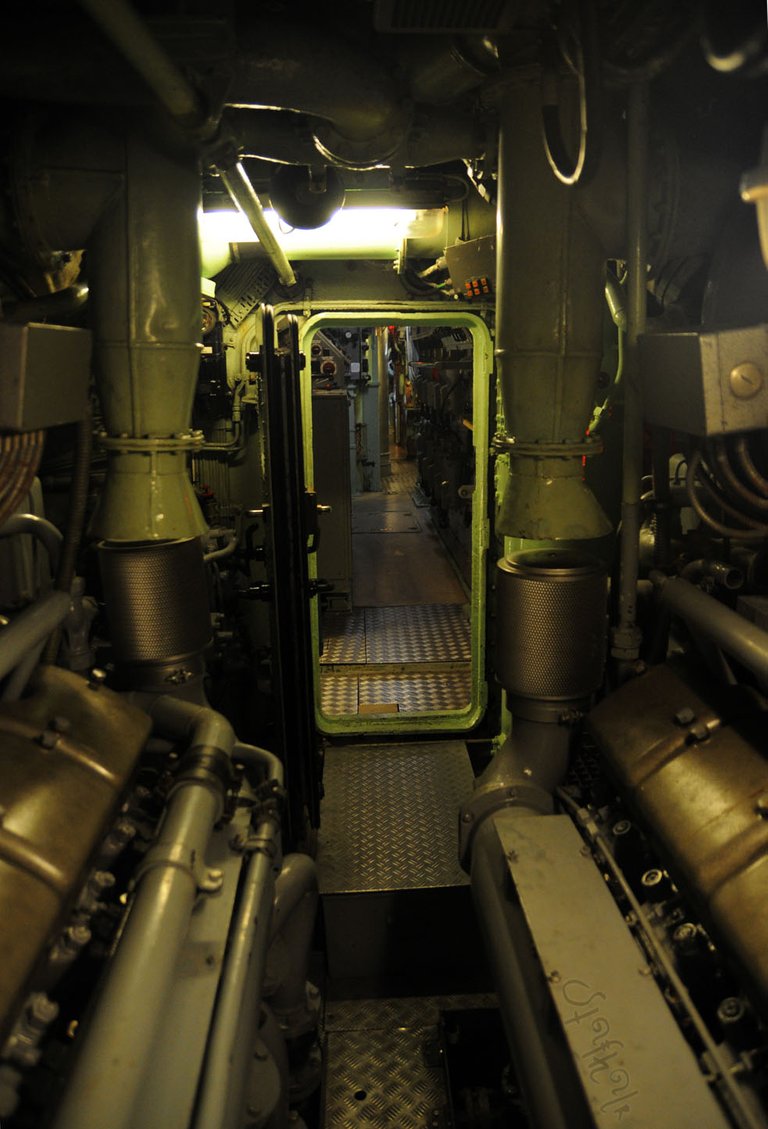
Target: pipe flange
<point x="171" y="444"/>
<point x="584" y="448"/>
<point x="359" y="156"/>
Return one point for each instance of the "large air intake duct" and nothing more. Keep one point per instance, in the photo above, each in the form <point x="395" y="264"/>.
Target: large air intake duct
<point x="551" y="615"/>
<point x="549" y="315"/>
<point x="158" y="610"/>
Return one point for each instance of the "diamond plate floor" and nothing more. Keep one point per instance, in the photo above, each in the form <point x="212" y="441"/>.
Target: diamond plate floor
<point x="389" y="816"/>
<point x="376" y="1070"/>
<point x="434" y="640"/>
<point x="435" y="632"/>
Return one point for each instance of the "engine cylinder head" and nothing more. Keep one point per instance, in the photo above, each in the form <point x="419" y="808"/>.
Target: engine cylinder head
<point x="551" y="628"/>
<point x="157" y="606"/>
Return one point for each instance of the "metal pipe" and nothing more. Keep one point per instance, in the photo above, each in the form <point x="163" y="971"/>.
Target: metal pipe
<point x="253" y="755"/>
<point x="225" y="551"/>
<point x="281" y="66"/>
<point x="59" y="305"/>
<point x="293" y="920"/>
<point x="727" y="575"/>
<point x="31" y="627"/>
<point x="550" y="281"/>
<point x="119" y="1036"/>
<point x="543" y="1064"/>
<point x="626" y="636"/>
<point x="442" y="135"/>
<point x="737" y="636"/>
<point x="382" y="376"/>
<point x="81" y="473"/>
<point x="125" y="28"/>
<point x="146" y="352"/>
<point x="235" y="180"/>
<point x="33" y="526"/>
<point x="238" y="1007"/>
<point x="199" y="726"/>
<point x="17" y="682"/>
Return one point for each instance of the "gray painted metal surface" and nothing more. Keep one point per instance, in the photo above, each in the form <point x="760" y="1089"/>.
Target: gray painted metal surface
<point x="687" y="381"/>
<point x="635" y="1067"/>
<point x="389" y="816"/>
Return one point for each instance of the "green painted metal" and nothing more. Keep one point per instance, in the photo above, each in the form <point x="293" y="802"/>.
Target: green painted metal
<point x="373" y="314"/>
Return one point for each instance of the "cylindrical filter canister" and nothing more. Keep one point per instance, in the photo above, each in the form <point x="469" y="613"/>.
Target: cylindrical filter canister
<point x="157" y="600"/>
<point x="552" y="621"/>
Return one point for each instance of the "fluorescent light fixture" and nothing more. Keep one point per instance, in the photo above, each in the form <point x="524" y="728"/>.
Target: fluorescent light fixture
<point x="365" y="233"/>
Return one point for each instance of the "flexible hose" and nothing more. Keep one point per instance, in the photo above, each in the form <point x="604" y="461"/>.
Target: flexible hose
<point x="757" y="532"/>
<point x="746" y="464"/>
<point x="732" y="481"/>
<point x="20" y="455"/>
<point x="76" y="520"/>
<point x="77" y="504"/>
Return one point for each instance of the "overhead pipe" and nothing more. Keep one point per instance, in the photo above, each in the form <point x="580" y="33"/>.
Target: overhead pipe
<point x="313" y="72"/>
<point x="125" y="28"/>
<point x="438" y="135"/>
<point x="235" y="180"/>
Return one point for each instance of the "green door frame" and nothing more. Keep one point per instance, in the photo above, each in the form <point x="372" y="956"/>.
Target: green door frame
<point x="379" y="314"/>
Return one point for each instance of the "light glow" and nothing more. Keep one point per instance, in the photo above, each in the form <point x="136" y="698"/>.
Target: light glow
<point x="366" y="233"/>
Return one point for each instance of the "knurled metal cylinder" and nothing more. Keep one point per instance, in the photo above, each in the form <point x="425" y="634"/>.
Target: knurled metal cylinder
<point x="552" y="620"/>
<point x="157" y="600"/>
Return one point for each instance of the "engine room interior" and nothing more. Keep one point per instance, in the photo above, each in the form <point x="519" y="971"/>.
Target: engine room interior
<point x="384" y="565"/>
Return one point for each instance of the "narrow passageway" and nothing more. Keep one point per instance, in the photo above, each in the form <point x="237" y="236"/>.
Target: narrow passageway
<point x="404" y="645"/>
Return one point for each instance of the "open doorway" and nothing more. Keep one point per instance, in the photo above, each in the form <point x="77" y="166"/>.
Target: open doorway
<point x="399" y="407"/>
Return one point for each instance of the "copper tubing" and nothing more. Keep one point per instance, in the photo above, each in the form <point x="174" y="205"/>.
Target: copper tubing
<point x="20" y="455"/>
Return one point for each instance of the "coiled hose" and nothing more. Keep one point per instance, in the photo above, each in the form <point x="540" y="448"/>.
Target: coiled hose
<point x="20" y="454"/>
<point x="728" y="481"/>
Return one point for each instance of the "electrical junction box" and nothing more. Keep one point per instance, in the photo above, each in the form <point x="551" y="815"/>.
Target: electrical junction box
<point x="706" y="383"/>
<point x="45" y="373"/>
<point x="472" y="266"/>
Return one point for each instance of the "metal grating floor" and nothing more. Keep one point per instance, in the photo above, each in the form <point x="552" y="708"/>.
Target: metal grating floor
<point x="377" y="1072"/>
<point x="389" y="816"/>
